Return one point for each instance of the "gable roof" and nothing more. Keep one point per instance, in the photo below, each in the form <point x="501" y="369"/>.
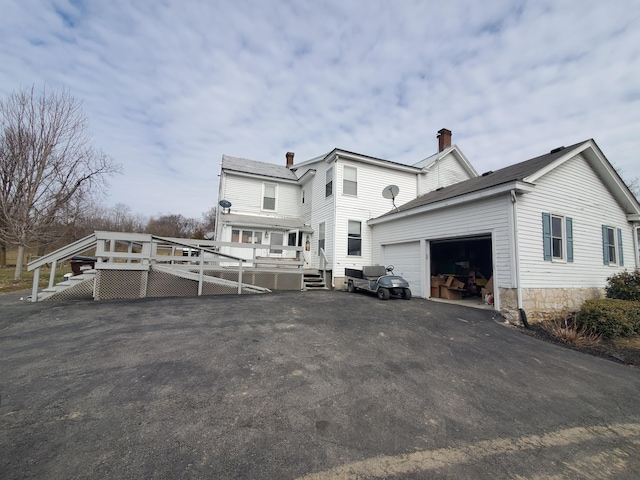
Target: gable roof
<point x="430" y="161"/>
<point x="244" y="165"/>
<point x="524" y="174"/>
<point x="358" y="157"/>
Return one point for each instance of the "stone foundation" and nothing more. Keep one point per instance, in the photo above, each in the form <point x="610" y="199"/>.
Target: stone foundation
<point x="544" y="303"/>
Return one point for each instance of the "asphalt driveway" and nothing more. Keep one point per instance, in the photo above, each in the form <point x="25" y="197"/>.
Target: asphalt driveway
<point x="311" y="385"/>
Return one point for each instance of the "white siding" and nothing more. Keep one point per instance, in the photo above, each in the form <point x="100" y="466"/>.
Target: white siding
<point x="369" y="203"/>
<point x="322" y="210"/>
<point x="445" y="172"/>
<point x="573" y="190"/>
<point x="489" y="216"/>
<point x="245" y="195"/>
<point x="405" y="258"/>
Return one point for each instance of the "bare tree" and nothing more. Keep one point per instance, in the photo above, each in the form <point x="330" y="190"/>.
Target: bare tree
<point x="172" y="225"/>
<point x="46" y="157"/>
<point x="209" y="221"/>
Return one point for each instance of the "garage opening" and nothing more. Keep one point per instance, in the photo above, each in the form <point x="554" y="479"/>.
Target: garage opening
<point x="462" y="269"/>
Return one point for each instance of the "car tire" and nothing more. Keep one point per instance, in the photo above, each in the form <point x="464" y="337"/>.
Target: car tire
<point x="350" y="287"/>
<point x="383" y="294"/>
<point x="406" y="294"/>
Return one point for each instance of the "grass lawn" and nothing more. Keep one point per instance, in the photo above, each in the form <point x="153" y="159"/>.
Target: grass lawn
<point x="8" y="284"/>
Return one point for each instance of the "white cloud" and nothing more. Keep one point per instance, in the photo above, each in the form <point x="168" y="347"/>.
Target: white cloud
<point x="171" y="86"/>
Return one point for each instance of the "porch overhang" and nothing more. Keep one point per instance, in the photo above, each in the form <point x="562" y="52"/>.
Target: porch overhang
<point x="272" y="223"/>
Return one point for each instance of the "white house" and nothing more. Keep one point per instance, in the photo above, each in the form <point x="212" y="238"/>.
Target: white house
<point x="325" y="202"/>
<point x="549" y="230"/>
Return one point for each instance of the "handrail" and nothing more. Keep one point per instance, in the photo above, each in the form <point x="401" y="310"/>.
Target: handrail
<point x="324" y="262"/>
<point x="146" y="253"/>
<point x="64" y="253"/>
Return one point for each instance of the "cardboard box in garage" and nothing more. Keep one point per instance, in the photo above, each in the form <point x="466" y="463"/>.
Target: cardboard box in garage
<point x="435" y="285"/>
<point x="450" y="293"/>
<point x="488" y="288"/>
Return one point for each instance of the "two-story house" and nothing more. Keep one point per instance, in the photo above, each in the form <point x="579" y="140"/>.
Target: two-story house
<point x="325" y="203"/>
<point x="549" y="230"/>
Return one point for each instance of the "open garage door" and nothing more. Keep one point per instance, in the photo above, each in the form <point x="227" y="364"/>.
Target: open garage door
<point x="468" y="259"/>
<point x="405" y="257"/>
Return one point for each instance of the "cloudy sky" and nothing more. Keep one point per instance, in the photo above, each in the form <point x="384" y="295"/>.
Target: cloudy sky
<point x="169" y="86"/>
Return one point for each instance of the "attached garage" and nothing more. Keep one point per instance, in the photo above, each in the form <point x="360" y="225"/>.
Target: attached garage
<point x="468" y="259"/>
<point x="405" y="257"/>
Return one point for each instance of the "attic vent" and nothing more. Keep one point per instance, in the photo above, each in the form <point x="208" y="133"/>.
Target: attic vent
<point x="556" y="150"/>
<point x="486" y="174"/>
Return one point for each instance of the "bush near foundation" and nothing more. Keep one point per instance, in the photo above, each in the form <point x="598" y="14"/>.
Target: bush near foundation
<point x="610" y="317"/>
<point x="624" y="286"/>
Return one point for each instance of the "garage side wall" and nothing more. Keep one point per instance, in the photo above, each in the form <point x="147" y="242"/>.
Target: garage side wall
<point x="572" y="190"/>
<point x="488" y="216"/>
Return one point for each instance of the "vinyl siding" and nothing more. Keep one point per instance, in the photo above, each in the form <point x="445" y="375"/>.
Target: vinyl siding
<point x="321" y="211"/>
<point x="245" y="195"/>
<point x="448" y="172"/>
<point x="489" y="216"/>
<point x="369" y="203"/>
<point x="571" y="190"/>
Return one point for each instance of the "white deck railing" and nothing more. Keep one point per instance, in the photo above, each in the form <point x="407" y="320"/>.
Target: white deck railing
<point x="137" y="251"/>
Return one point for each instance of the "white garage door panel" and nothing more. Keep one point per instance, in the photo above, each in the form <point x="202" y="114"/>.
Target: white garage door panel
<point x="405" y="257"/>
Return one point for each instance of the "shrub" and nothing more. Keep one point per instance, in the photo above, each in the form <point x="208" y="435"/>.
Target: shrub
<point x="568" y="330"/>
<point x="624" y="286"/>
<point x="610" y="317"/>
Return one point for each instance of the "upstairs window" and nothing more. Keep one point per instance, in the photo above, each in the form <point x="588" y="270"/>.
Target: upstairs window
<point x="303" y="195"/>
<point x="269" y="191"/>
<point x="354" y="240"/>
<point x="612" y="246"/>
<point x="557" y="237"/>
<point x="350" y="181"/>
<point x="328" y="190"/>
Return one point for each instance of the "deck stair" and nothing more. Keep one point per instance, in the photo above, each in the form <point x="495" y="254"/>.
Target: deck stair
<point x="78" y="287"/>
<point x="313" y="280"/>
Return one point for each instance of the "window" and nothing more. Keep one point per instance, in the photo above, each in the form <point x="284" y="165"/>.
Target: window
<point x="557" y="237"/>
<point x="292" y="239"/>
<point x="247" y="236"/>
<point x="350" y="181"/>
<point x="612" y="246"/>
<point x="303" y="195"/>
<point x="269" y="196"/>
<point x="328" y="190"/>
<point x="320" y="238"/>
<point x="354" y="240"/>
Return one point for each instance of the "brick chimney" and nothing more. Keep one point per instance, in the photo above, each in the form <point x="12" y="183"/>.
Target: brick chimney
<point x="444" y="139"/>
<point x="289" y="159"/>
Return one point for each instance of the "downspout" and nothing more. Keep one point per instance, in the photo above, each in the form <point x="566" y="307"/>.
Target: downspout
<point x="636" y="243"/>
<point x="514" y="206"/>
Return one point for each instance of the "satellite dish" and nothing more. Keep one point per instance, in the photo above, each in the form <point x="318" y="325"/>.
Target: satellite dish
<point x="208" y="236"/>
<point x="225" y="203"/>
<point x="391" y="192"/>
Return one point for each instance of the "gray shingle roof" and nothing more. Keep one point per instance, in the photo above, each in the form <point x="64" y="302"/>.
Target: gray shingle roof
<point x="245" y="165"/>
<point x="512" y="173"/>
